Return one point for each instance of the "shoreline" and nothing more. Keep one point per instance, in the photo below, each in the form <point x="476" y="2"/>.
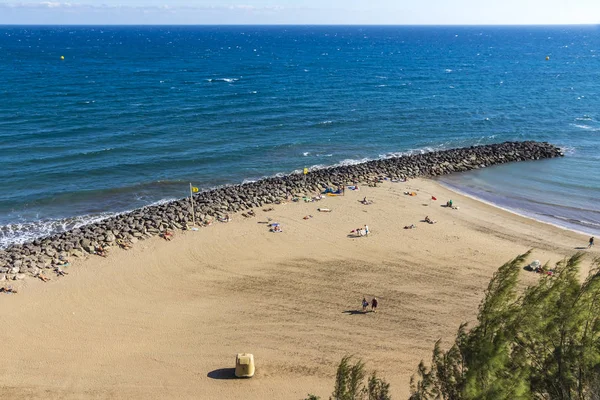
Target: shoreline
<point x="158" y="319"/>
<point x="508" y="210"/>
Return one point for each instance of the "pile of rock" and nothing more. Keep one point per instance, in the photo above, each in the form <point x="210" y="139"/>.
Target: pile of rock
<point x="31" y="258"/>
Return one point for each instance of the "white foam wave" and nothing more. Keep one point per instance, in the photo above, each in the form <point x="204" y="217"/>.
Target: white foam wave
<point x="25" y="232"/>
<point x="306" y="153"/>
<point x="584" y="118"/>
<point x="325" y="122"/>
<point x="28" y="231"/>
<point x="587" y="127"/>
<point x="410" y="152"/>
<point x="350" y="161"/>
<point x="570" y="150"/>
<point x="228" y="80"/>
<point x="448" y="70"/>
<point x="97" y="151"/>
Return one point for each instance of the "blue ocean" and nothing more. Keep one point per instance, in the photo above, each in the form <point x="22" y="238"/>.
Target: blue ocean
<point x="132" y="115"/>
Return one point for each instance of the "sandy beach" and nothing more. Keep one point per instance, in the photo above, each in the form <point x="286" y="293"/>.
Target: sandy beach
<point x="164" y="319"/>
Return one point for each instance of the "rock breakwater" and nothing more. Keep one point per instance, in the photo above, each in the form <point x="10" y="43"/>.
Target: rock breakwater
<point x="51" y="252"/>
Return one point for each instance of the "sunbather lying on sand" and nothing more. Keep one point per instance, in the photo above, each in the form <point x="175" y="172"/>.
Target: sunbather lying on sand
<point x="8" y="289"/>
<point x="167" y="235"/>
<point x="276" y="228"/>
<point x="307" y="217"/>
<point x="43" y="277"/>
<point x="226" y="218"/>
<point x="429" y="220"/>
<point x="412" y="226"/>
<point x="101" y="251"/>
<point x="359" y="232"/>
<point x="410" y="193"/>
<point x="123" y="244"/>
<point x="366" y="202"/>
<point x="60" y="272"/>
<point x="324" y="209"/>
<point x="268" y="209"/>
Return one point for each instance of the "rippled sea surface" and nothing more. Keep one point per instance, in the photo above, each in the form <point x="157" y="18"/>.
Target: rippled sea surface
<point x="133" y="114"/>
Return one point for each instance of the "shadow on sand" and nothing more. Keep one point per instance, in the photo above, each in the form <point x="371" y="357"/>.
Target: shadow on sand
<point x="355" y="312"/>
<point x="581" y="248"/>
<point x="353" y="236"/>
<point x="222" y="373"/>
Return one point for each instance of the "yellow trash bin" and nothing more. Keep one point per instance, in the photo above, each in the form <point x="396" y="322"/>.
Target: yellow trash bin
<point x="244" y="365"/>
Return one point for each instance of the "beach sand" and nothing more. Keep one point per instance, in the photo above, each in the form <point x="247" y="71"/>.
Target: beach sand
<point x="165" y="319"/>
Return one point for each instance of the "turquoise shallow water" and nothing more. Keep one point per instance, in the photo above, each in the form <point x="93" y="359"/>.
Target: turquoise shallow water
<point x="132" y="114"/>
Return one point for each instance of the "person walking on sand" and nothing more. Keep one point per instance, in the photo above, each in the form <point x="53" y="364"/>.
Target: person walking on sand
<point x="374" y="304"/>
<point x="366" y="230"/>
<point x="591" y="242"/>
<point x="365" y="304"/>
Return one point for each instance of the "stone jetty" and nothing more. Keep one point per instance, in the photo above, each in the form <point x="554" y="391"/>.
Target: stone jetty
<point x="18" y="261"/>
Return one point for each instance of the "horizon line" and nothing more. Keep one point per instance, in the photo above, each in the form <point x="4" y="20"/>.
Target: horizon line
<point x="321" y="24"/>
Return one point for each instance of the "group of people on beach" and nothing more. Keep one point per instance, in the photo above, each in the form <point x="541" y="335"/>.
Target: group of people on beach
<point x="365" y="304"/>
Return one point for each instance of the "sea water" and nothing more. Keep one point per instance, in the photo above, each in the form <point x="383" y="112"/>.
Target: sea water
<point x="132" y="115"/>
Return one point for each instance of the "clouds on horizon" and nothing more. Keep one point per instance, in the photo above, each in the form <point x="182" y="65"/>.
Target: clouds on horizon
<point x="55" y="12"/>
<point x="68" y="5"/>
<point x="311" y="12"/>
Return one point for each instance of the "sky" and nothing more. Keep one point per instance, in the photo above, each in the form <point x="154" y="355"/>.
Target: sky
<point x="365" y="12"/>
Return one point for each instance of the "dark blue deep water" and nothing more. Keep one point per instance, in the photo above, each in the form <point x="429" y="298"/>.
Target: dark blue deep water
<point x="132" y="114"/>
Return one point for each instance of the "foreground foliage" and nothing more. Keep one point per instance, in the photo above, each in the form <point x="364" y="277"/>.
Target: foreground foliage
<point x="350" y="383"/>
<point x="543" y="344"/>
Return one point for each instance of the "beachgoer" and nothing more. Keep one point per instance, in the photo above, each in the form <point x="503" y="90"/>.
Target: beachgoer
<point x="365" y="304"/>
<point x="366" y="230"/>
<point x="43" y="277"/>
<point x="100" y="251"/>
<point x="591" y="242"/>
<point x="123" y="244"/>
<point x="10" y="289"/>
<point x="374" y="304"/>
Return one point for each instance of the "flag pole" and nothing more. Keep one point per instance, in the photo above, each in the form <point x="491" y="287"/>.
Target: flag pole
<point x="192" y="203"/>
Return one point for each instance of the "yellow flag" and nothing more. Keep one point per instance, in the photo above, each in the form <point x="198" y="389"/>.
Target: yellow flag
<point x="194" y="189"/>
<point x="305" y="171"/>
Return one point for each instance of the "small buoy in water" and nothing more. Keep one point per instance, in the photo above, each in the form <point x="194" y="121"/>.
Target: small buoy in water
<point x="547" y="58"/>
<point x="62" y="57"/>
